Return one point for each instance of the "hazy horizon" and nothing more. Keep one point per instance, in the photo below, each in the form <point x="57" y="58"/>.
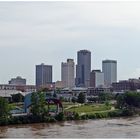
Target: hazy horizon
<point x="32" y="33"/>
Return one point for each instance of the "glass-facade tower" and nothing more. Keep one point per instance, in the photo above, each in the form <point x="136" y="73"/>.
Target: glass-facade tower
<point x="109" y="68"/>
<point x="83" y="68"/>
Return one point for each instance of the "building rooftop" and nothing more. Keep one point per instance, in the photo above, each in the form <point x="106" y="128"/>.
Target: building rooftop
<point x="75" y="88"/>
<point x="109" y="61"/>
<point x="96" y="70"/>
<point x="84" y="51"/>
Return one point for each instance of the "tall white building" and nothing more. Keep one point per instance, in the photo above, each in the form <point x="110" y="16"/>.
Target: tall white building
<point x="109" y="68"/>
<point x="96" y="78"/>
<point x="67" y="73"/>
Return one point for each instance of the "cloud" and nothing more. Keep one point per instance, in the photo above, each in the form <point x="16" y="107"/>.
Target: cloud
<point x="35" y="32"/>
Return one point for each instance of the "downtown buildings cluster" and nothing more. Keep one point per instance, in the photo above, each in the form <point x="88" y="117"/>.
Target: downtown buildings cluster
<point x="79" y="75"/>
<point x="75" y="78"/>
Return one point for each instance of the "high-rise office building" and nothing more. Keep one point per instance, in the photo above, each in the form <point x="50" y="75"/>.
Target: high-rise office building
<point x="43" y="75"/>
<point x="67" y="73"/>
<point x="83" y="68"/>
<point x="109" y="68"/>
<point x="96" y="78"/>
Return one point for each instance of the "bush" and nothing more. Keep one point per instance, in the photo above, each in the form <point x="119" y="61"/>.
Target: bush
<point x="98" y="115"/>
<point x="17" y="97"/>
<point x="60" y="117"/>
<point x="116" y="113"/>
<point x="92" y="116"/>
<point x="85" y="117"/>
<point x="74" y="99"/>
<point x="69" y="118"/>
<point x="4" y="121"/>
<point x="101" y="115"/>
<point x="52" y="119"/>
<point x="81" y="98"/>
<point x="76" y="116"/>
<point x="128" y="100"/>
<point x="127" y="112"/>
<point x="49" y="119"/>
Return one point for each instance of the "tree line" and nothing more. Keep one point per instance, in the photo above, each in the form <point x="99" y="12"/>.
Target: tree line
<point x="128" y="102"/>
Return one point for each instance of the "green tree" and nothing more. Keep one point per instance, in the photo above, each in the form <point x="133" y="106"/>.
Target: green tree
<point x="132" y="99"/>
<point x="60" y="117"/>
<point x="73" y="99"/>
<point x="58" y="90"/>
<point x="120" y="101"/>
<point x="93" y="99"/>
<point x="42" y="103"/>
<point x="128" y="99"/>
<point x="38" y="104"/>
<point x="45" y="89"/>
<point x="61" y="99"/>
<point x="17" y="97"/>
<point x="55" y="95"/>
<point x="4" y="108"/>
<point x="105" y="97"/>
<point x="34" y="101"/>
<point x="81" y="98"/>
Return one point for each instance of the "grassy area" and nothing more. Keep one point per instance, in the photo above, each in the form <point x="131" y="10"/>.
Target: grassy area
<point x="51" y="107"/>
<point x="89" y="108"/>
<point x="68" y="104"/>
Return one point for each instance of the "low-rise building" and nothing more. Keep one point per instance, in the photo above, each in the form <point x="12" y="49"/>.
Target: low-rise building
<point x="7" y="94"/>
<point x="75" y="91"/>
<point x="59" y="85"/>
<point x="23" y="88"/>
<point x="126" y="85"/>
<point x="97" y="91"/>
<point x="17" y="81"/>
<point x="69" y="93"/>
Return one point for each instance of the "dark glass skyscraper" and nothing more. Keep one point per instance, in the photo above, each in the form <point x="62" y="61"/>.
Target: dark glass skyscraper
<point x="83" y="68"/>
<point x="43" y="75"/>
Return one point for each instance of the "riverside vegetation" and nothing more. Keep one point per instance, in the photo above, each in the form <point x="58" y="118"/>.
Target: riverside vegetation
<point x="127" y="104"/>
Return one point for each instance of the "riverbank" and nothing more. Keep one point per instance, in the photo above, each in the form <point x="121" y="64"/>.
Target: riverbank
<point x="42" y="112"/>
<point x="30" y="119"/>
<point x="71" y="111"/>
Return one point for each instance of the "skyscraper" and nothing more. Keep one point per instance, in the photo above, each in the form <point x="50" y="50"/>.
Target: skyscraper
<point x="67" y="73"/>
<point x="43" y="75"/>
<point x="83" y="68"/>
<point x="109" y="68"/>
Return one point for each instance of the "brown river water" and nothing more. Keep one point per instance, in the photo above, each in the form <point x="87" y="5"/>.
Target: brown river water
<point x="103" y="128"/>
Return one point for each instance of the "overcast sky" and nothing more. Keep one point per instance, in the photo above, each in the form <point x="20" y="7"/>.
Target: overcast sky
<point x="50" y="32"/>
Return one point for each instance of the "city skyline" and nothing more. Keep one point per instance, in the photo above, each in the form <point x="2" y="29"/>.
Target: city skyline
<point x="50" y="32"/>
